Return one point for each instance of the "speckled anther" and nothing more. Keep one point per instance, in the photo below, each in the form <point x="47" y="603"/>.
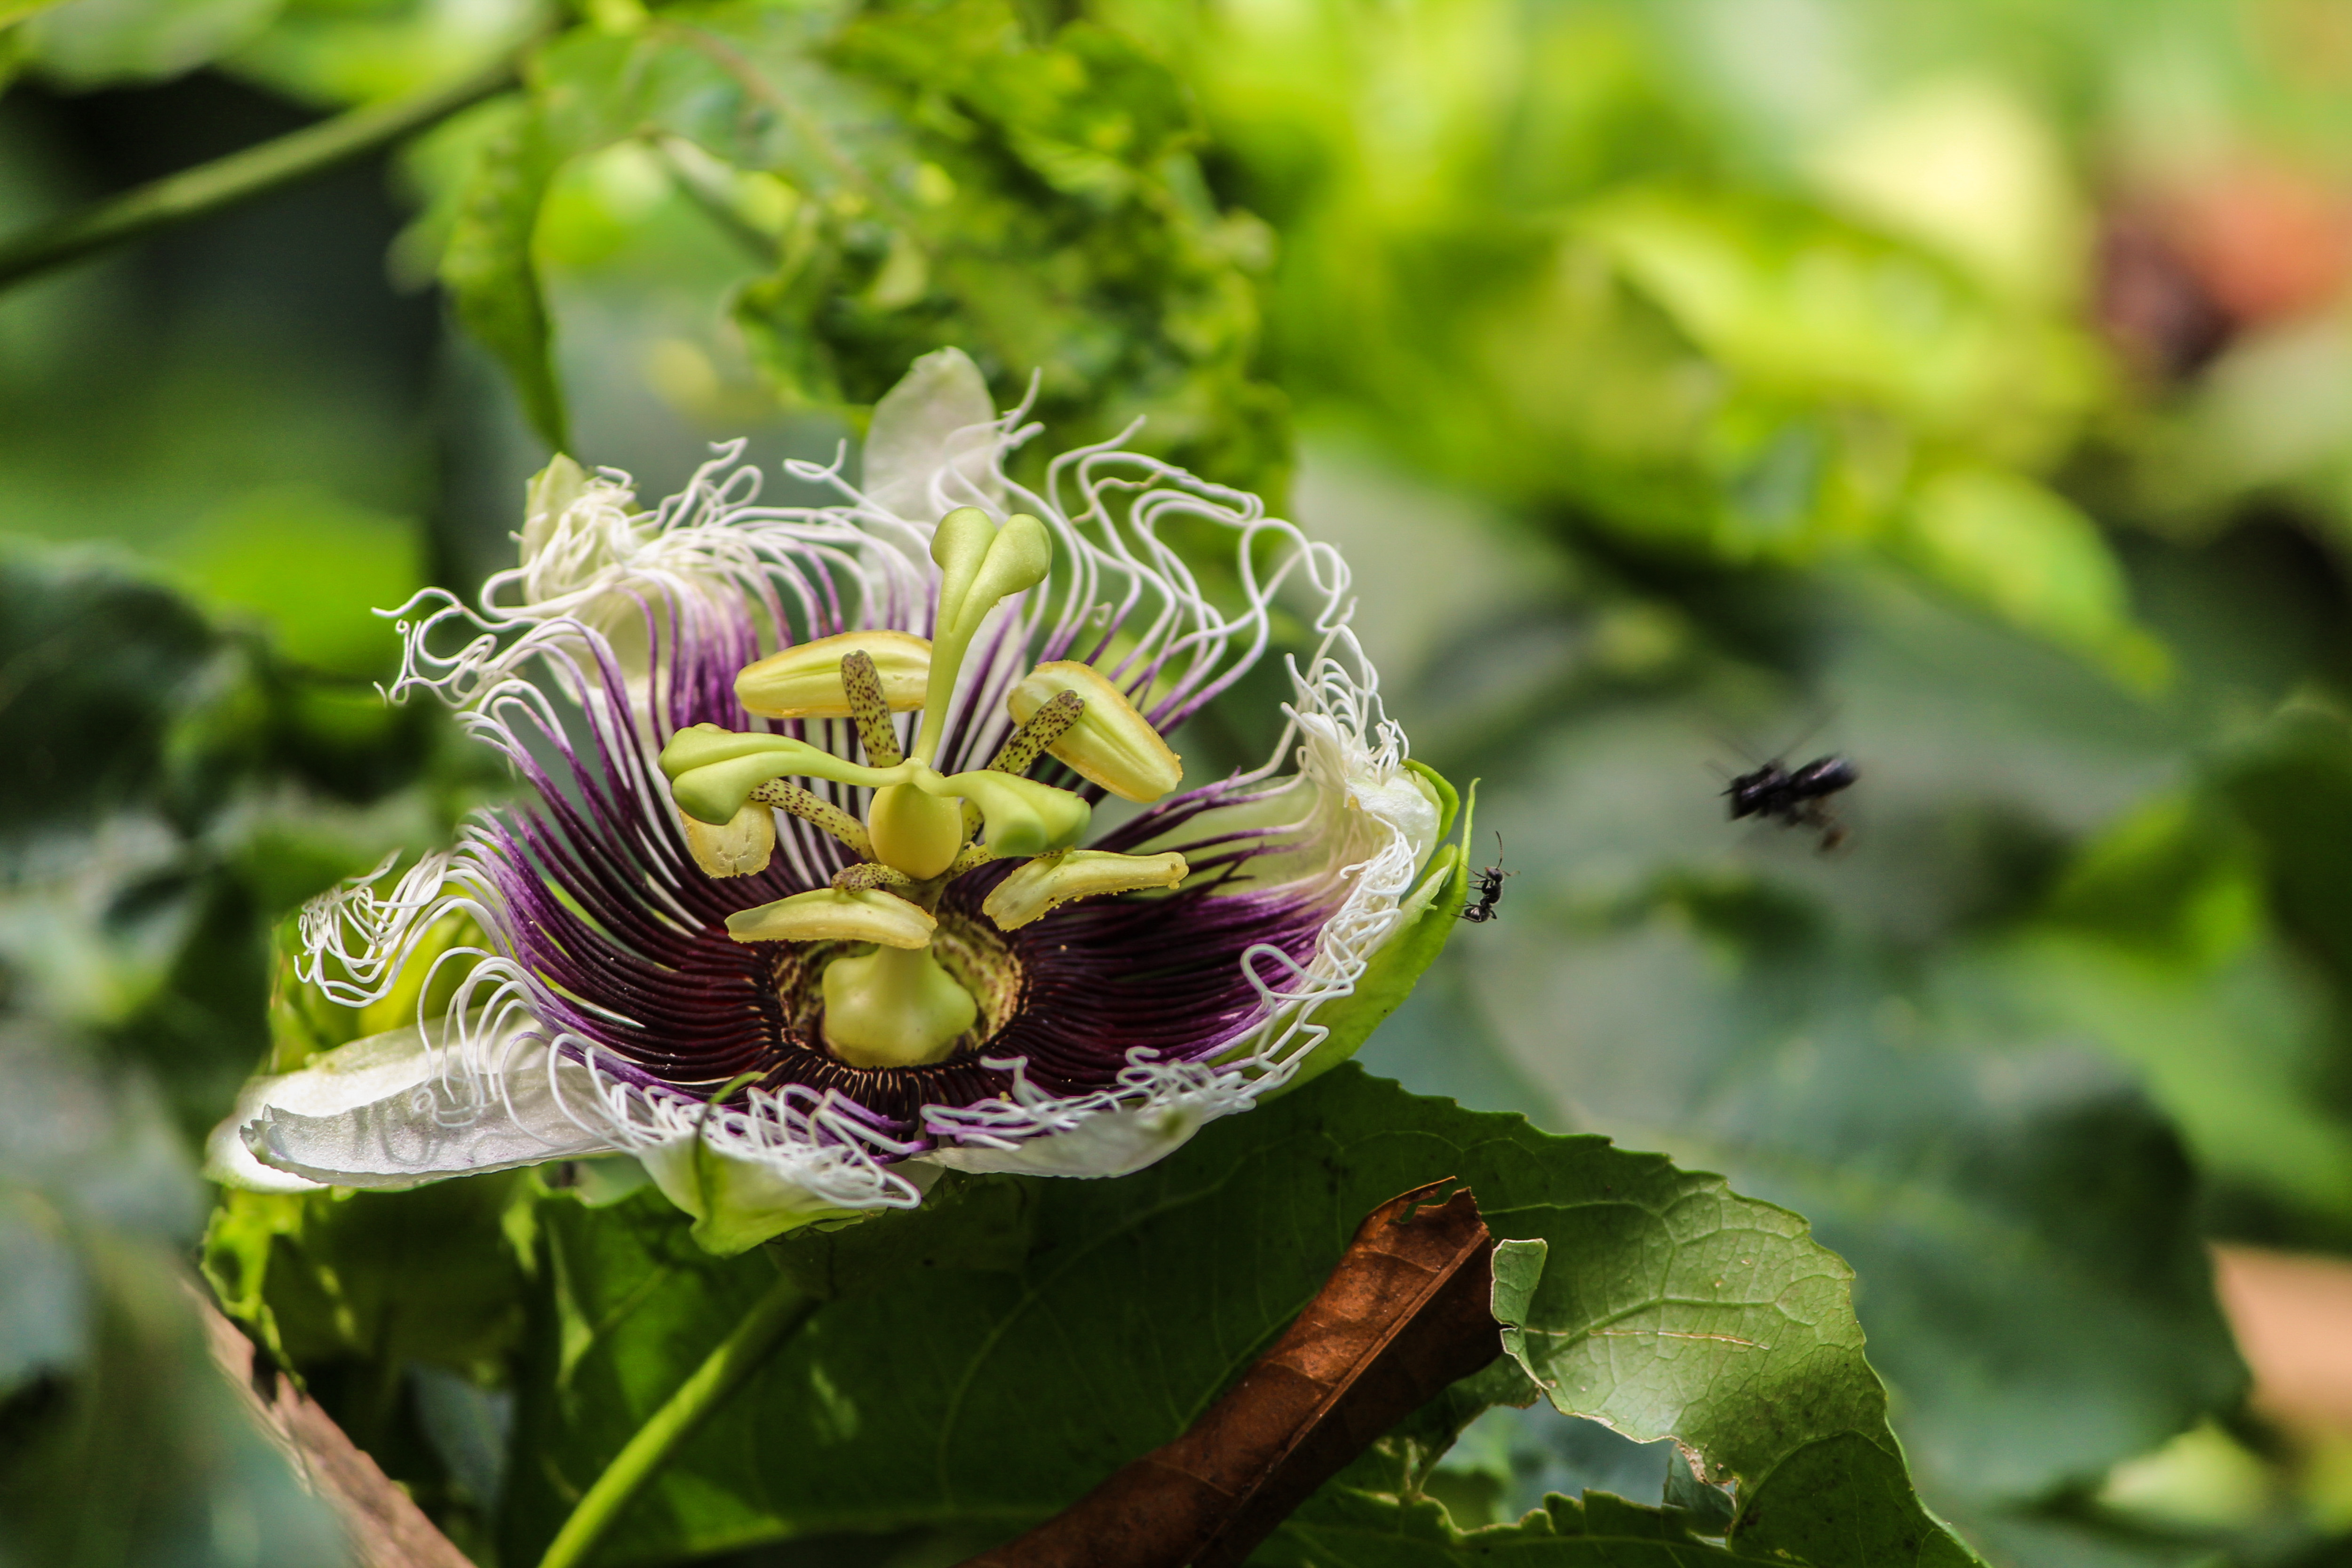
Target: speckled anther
<point x="863" y="683"/>
<point x="871" y="874"/>
<point x="1045" y="727"/>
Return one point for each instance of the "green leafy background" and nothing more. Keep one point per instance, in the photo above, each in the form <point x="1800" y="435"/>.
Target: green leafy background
<point x="1962" y="388"/>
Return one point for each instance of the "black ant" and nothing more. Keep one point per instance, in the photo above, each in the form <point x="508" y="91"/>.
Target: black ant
<point x="1490" y="890"/>
<point x="1796" y="797"/>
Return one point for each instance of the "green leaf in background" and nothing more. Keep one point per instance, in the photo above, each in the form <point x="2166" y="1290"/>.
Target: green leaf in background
<point x="335" y="51"/>
<point x="2021" y="1218"/>
<point x="892" y="181"/>
<point x="1799" y="304"/>
<point x="2033" y="558"/>
<point x="98" y="664"/>
<point x="313" y="569"/>
<point x="988" y="1398"/>
<point x="490" y="273"/>
<point x="92" y="43"/>
<point x="2158" y="945"/>
<point x="124" y="1444"/>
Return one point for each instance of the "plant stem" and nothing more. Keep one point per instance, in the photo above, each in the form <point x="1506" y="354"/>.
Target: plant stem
<point x="772" y="1321"/>
<point x="209" y="187"/>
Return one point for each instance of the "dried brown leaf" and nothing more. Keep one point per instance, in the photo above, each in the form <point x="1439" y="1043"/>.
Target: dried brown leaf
<point x="1407" y="1310"/>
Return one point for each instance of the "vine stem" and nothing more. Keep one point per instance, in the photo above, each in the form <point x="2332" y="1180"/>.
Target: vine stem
<point x="223" y="181"/>
<point x="772" y="1321"/>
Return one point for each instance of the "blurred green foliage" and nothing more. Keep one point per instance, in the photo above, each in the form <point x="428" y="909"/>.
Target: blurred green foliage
<point x="1972" y="383"/>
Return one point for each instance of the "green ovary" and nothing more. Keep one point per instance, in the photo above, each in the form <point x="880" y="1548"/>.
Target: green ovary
<point x="917" y="833"/>
<point x="894" y="1007"/>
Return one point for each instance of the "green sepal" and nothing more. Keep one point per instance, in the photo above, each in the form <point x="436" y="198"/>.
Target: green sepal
<point x="1449" y="799"/>
<point x="735" y="1203"/>
<point x="1433" y="909"/>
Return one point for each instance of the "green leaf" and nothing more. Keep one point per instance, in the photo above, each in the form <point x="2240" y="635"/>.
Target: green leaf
<point x="489" y="271"/>
<point x="100" y="664"/>
<point x="903" y="178"/>
<point x="124" y="1443"/>
<point x="341" y="52"/>
<point x="2023" y="1218"/>
<point x="1806" y="305"/>
<point x="313" y="569"/>
<point x="381" y="1278"/>
<point x="2030" y="557"/>
<point x="97" y="42"/>
<point x="993" y="1397"/>
<point x="1362" y="1529"/>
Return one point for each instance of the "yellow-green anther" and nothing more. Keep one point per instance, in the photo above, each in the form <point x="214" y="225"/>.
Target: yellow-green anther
<point x="915" y="831"/>
<point x="804" y="681"/>
<point x="1111" y="744"/>
<point x="739" y="847"/>
<point x="826" y="915"/>
<point x="870" y="875"/>
<point x="970" y="858"/>
<point x="863" y="683"/>
<point x="1021" y="816"/>
<point x="820" y="814"/>
<point x="1055" y="880"/>
<point x="893" y="1008"/>
<point x="1041" y="730"/>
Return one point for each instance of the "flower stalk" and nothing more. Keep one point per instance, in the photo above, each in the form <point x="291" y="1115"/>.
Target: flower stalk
<point x="225" y="182"/>
<point x="772" y="1320"/>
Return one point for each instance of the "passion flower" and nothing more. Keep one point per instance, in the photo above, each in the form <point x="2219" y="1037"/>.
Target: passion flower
<point x="811" y="900"/>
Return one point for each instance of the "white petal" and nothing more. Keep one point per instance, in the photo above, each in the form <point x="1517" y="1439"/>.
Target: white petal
<point x="1107" y="1138"/>
<point x="339" y="1082"/>
<point x="1106" y="1143"/>
<point x="1402" y="802"/>
<point x="379" y="1113"/>
<point x="939" y="416"/>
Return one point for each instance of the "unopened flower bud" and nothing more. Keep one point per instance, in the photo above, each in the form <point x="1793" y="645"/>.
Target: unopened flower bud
<point x="804" y="681"/>
<point x="739" y="848"/>
<point x="828" y="915"/>
<point x="1112" y="744"/>
<point x="1053" y="880"/>
<point x="548" y="497"/>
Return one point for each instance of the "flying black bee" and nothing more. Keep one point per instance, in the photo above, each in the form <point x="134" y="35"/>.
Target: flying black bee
<point x="1796" y="797"/>
<point x="1481" y="909"/>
